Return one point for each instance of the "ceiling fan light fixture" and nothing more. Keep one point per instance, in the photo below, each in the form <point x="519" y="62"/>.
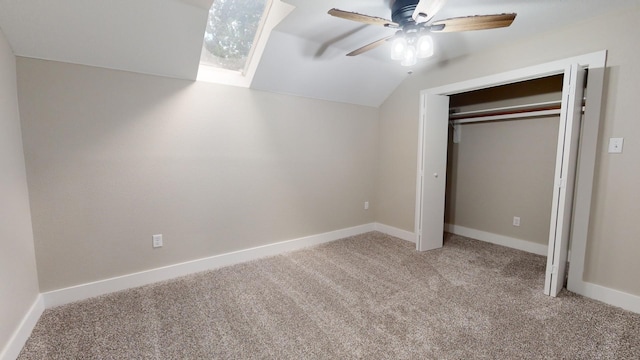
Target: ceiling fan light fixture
<point x="398" y="48"/>
<point x="410" y="56"/>
<point x="413" y="18"/>
<point x="425" y="47"/>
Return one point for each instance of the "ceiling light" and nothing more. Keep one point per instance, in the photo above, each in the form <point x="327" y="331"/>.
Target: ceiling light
<point x="410" y="56"/>
<point x="425" y="46"/>
<point x="398" y="48"/>
<point x="408" y="47"/>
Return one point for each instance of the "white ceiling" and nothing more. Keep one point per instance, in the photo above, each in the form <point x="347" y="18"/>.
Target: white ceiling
<point x="160" y="37"/>
<point x="304" y="55"/>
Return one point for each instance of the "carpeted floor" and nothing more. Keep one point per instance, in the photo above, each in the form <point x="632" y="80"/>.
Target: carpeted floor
<point x="370" y="296"/>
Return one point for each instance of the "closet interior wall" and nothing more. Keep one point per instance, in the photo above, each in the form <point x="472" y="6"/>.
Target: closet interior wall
<point x="504" y="169"/>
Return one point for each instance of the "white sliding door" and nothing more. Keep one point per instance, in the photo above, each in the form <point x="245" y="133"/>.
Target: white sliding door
<point x="432" y="171"/>
<point x="566" y="160"/>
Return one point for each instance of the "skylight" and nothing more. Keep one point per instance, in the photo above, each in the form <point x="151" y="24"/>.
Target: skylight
<point x="232" y="29"/>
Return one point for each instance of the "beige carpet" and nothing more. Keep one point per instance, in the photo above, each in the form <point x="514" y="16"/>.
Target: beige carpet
<point x="369" y="297"/>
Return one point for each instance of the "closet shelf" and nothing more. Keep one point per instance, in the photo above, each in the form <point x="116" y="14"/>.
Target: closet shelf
<point x="508" y="112"/>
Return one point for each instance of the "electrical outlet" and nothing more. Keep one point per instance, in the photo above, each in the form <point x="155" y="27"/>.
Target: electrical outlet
<point x="516" y="221"/>
<point x="366" y="205"/>
<point x="615" y="145"/>
<point x="157" y="240"/>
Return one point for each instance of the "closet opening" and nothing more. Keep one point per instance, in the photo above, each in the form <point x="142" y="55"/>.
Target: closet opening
<point x="513" y="141"/>
<point x="501" y="157"/>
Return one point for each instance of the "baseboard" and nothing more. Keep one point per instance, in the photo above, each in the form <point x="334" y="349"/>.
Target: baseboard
<point x="393" y="231"/>
<point x="23" y="331"/>
<point x="101" y="287"/>
<point x="607" y="295"/>
<point x="84" y="291"/>
<point x="497" y="239"/>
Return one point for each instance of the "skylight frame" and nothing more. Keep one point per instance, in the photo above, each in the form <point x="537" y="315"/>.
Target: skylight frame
<point x="256" y="37"/>
<point x="274" y="12"/>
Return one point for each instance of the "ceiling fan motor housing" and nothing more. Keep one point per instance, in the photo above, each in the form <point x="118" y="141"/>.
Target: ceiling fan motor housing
<point x="401" y="11"/>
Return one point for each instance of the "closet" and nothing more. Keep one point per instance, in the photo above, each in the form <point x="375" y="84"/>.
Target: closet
<point x="520" y="151"/>
<point x="501" y="162"/>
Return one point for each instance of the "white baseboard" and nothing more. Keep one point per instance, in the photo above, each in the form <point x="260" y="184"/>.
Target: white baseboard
<point x="101" y="287"/>
<point x="84" y="291"/>
<point x="497" y="239"/>
<point x="607" y="295"/>
<point x="23" y="331"/>
<point x="393" y="231"/>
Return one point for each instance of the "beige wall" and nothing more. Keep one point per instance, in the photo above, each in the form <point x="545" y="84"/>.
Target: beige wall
<point x="397" y="159"/>
<point x="500" y="170"/>
<point x="613" y="239"/>
<point x="18" y="277"/>
<point x="114" y="157"/>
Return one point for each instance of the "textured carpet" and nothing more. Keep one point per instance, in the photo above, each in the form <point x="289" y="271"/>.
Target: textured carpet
<point x="370" y="296"/>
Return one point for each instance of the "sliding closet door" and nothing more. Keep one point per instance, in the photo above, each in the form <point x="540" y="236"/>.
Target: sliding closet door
<point x="567" y="153"/>
<point x="432" y="170"/>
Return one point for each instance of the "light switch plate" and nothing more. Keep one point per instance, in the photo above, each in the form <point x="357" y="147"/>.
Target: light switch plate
<point x="157" y="240"/>
<point x="615" y="145"/>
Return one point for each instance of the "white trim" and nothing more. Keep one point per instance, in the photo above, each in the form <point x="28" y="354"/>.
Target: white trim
<point x="394" y="231"/>
<point x="23" y="331"/>
<point x="507" y="241"/>
<point x="607" y="295"/>
<point x="101" y="287"/>
<point x="593" y="60"/>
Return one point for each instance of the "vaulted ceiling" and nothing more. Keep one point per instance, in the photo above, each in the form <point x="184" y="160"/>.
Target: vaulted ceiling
<point x="305" y="54"/>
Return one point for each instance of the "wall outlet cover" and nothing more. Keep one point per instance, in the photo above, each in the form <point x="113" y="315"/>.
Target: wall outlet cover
<point x="615" y="145"/>
<point x="516" y="221"/>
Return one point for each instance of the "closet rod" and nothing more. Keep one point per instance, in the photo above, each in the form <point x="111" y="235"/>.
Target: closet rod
<point x="507" y="109"/>
<point x="507" y="116"/>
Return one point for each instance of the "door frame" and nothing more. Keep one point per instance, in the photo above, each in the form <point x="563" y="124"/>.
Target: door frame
<point x="595" y="63"/>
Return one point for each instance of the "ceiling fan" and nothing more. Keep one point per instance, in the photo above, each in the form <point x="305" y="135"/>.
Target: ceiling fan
<point x="413" y="18"/>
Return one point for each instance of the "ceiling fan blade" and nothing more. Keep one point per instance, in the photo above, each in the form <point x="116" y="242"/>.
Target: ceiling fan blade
<point x="365" y="19"/>
<point x="371" y="46"/>
<point x="469" y="23"/>
<point x="426" y="9"/>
